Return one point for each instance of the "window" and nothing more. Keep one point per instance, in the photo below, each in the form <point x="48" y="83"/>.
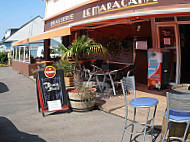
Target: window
<point x="26" y="54"/>
<point x="164" y="19"/>
<point x="21" y="53"/>
<point x="17" y="53"/>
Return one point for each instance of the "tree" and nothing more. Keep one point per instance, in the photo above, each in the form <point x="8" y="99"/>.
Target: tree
<point x="79" y="48"/>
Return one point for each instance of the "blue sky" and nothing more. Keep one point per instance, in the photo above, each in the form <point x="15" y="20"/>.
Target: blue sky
<point x="15" y="13"/>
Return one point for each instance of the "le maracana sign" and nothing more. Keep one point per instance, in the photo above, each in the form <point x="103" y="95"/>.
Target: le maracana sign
<point x="104" y="7"/>
<point x="115" y="5"/>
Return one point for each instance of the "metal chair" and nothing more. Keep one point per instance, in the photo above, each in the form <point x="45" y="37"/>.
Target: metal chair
<point x="90" y="71"/>
<point x="178" y="111"/>
<point x="128" y="84"/>
<point x="113" y="73"/>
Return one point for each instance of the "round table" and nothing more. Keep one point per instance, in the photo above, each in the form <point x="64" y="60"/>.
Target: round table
<point x="181" y="89"/>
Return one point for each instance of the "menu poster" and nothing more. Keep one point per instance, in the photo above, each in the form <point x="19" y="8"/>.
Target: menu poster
<point x="52" y="94"/>
<point x="141" y="45"/>
<point x="167" y="41"/>
<point x="51" y="88"/>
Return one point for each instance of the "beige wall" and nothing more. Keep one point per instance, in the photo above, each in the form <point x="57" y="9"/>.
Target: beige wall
<point x="54" y="7"/>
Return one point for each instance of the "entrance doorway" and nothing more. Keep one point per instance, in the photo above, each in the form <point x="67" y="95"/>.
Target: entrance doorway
<point x="167" y="39"/>
<point x="185" y="52"/>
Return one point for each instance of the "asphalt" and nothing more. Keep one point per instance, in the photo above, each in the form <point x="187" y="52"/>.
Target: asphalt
<point x="20" y="120"/>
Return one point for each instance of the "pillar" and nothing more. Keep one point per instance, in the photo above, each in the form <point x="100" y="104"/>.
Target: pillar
<point x="47" y="49"/>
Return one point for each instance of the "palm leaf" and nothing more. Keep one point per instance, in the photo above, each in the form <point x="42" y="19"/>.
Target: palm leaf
<point x="81" y="46"/>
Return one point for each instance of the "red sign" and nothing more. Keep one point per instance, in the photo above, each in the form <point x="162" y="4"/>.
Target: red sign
<point x="50" y="71"/>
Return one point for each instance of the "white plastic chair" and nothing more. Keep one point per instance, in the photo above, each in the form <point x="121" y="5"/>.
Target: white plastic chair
<point x="128" y="84"/>
<point x="178" y="108"/>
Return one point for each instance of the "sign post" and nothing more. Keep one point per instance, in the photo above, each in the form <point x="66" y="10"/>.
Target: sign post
<point x="51" y="93"/>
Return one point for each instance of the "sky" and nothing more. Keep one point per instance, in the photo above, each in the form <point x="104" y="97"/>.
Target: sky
<point x="15" y="13"/>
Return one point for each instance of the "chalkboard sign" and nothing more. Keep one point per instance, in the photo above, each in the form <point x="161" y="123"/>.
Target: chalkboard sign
<point x="51" y="93"/>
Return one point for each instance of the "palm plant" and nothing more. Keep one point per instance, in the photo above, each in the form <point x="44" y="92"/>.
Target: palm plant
<point x="81" y="47"/>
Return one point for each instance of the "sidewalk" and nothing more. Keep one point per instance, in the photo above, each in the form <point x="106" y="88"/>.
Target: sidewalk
<point x="116" y="105"/>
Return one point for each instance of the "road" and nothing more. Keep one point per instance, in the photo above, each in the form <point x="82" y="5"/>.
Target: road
<point x="20" y="120"/>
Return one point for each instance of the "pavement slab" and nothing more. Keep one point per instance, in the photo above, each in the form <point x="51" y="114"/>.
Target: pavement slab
<point x="115" y="105"/>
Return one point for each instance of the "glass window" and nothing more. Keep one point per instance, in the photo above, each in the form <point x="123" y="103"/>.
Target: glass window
<point x="167" y="37"/>
<point x="33" y="52"/>
<point x="27" y="54"/>
<point x="164" y="19"/>
<point x="183" y="18"/>
<point x="14" y="56"/>
<point x="17" y="53"/>
<point x="21" y="53"/>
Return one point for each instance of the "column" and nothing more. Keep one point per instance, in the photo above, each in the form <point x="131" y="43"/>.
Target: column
<point x="47" y="49"/>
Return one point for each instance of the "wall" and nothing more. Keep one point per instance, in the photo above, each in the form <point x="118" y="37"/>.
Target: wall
<point x="33" y="28"/>
<point x="56" y="6"/>
<point x="23" y="68"/>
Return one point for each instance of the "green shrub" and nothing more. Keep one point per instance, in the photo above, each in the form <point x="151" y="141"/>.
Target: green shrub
<point x="3" y="57"/>
<point x="66" y="66"/>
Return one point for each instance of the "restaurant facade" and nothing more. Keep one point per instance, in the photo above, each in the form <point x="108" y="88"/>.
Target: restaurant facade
<point x="127" y="28"/>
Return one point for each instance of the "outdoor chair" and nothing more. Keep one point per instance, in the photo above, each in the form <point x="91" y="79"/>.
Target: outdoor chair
<point x="112" y="76"/>
<point x="98" y="63"/>
<point x="115" y="76"/>
<point x="89" y="72"/>
<point x="128" y="84"/>
<point x="178" y="111"/>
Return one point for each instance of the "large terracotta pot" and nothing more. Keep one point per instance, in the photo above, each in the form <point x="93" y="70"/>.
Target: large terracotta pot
<point x="78" y="103"/>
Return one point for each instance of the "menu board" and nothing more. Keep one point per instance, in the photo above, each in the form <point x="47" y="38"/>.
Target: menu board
<point x="51" y="91"/>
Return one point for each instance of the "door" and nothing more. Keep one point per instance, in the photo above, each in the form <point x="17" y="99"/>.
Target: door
<point x="168" y="39"/>
<point x="184" y="30"/>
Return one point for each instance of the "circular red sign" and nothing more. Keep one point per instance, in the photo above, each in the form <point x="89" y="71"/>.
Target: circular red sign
<point x="50" y="71"/>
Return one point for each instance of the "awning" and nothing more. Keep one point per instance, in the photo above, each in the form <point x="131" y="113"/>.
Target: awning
<point x="45" y="35"/>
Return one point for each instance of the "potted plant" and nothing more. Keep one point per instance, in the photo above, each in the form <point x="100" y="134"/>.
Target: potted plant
<point x="79" y="48"/>
<point x="68" y="72"/>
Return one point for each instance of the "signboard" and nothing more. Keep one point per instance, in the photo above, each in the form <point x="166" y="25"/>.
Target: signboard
<point x="141" y="45"/>
<point x="105" y="7"/>
<point x="51" y="92"/>
<point x="154" y="69"/>
<point x="50" y="71"/>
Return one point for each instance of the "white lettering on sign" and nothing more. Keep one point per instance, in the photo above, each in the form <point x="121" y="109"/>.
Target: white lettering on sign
<point x="116" y="5"/>
<point x="50" y="72"/>
<point x="62" y="20"/>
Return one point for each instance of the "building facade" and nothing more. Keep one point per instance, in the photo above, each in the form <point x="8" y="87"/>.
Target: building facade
<point x="128" y="27"/>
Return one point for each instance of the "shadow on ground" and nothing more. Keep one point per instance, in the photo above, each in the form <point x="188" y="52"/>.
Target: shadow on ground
<point x="156" y="133"/>
<point x="3" y="88"/>
<point x="9" y="133"/>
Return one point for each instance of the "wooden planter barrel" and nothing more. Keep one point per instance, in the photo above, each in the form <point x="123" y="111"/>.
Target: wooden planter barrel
<point x="69" y="81"/>
<point x="78" y="104"/>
